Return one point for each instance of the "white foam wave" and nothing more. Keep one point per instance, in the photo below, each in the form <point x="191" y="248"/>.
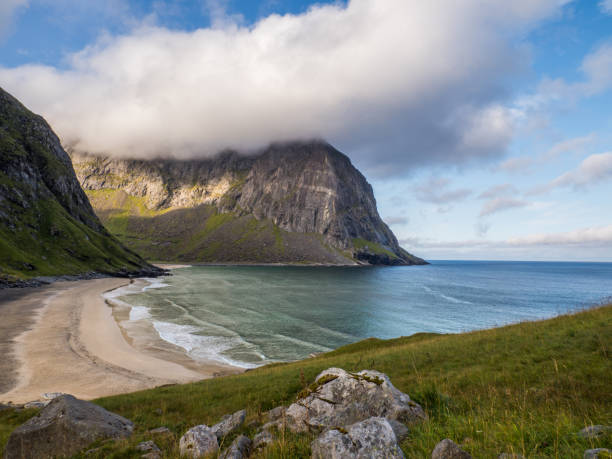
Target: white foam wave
<point x="303" y="343"/>
<point x="139" y="313"/>
<point x="203" y="347"/>
<point x="154" y="283"/>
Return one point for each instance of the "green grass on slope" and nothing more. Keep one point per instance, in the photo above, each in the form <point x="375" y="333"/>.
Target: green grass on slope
<point x="202" y="234"/>
<point x="48" y="241"/>
<point x="526" y="389"/>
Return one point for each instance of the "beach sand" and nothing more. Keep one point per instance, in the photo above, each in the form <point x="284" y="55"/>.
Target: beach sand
<point x="70" y="342"/>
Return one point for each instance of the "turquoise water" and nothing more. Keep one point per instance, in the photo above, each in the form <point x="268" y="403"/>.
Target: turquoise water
<point x="248" y="316"/>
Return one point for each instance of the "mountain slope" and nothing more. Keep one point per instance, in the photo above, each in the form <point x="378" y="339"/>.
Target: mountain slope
<point x="47" y="225"/>
<point x="293" y="202"/>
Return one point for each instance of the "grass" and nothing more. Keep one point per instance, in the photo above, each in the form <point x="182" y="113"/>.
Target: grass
<point x="360" y="243"/>
<point x="526" y="388"/>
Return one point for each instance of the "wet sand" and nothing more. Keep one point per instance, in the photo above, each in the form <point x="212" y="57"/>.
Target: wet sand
<point x="64" y="338"/>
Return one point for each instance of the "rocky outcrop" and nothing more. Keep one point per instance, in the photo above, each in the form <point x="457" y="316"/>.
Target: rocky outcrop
<point x="597" y="453"/>
<point x="229" y="423"/>
<point x="63" y="428"/>
<point x="198" y="441"/>
<point x="47" y="225"/>
<point x="239" y="449"/>
<point x="373" y="437"/>
<point x="595" y="431"/>
<point x="447" y="449"/>
<point x="340" y="398"/>
<point x="301" y="188"/>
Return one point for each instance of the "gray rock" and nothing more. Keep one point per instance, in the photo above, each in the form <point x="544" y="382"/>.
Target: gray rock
<point x="263" y="439"/>
<point x="229" y="423"/>
<point x="371" y="438"/>
<point x="276" y="414"/>
<point x="447" y="449"/>
<point x="341" y="398"/>
<point x="160" y="431"/>
<point x="198" y="441"/>
<point x="597" y="453"/>
<point x="36" y="404"/>
<point x="150" y="449"/>
<point x="51" y="395"/>
<point x="594" y="431"/>
<point x="400" y="430"/>
<point x="64" y="427"/>
<point x="239" y="449"/>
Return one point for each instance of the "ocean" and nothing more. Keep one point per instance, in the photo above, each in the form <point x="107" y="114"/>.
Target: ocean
<point x="252" y="315"/>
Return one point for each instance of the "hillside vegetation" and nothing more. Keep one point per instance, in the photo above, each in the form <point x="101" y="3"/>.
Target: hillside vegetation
<point x="47" y="226"/>
<point x="525" y="389"/>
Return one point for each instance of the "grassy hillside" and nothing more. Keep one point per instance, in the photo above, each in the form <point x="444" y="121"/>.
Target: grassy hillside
<point x="47" y="226"/>
<point x="202" y="234"/>
<point x="525" y="389"/>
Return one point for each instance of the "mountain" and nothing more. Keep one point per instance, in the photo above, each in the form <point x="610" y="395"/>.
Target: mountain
<point x="47" y="225"/>
<point x="299" y="202"/>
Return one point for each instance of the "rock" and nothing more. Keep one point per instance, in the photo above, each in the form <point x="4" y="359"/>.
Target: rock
<point x="339" y="398"/>
<point x="160" y="431"/>
<point x="371" y="438"/>
<point x="239" y="449"/>
<point x="594" y="431"/>
<point x="151" y="449"/>
<point x="198" y="441"/>
<point x="51" y="395"/>
<point x="64" y="427"/>
<point x="598" y="453"/>
<point x="263" y="439"/>
<point x="276" y="414"/>
<point x="400" y="430"/>
<point x="228" y="424"/>
<point x="447" y="449"/>
<point x="35" y="404"/>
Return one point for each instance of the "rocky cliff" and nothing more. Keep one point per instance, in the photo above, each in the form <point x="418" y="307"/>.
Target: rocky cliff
<point x="293" y="202"/>
<point x="47" y="225"/>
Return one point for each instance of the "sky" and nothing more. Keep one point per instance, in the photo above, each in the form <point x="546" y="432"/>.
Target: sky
<point x="485" y="128"/>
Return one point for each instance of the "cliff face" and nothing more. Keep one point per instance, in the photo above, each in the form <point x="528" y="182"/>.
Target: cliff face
<point x="47" y="225"/>
<point x="294" y="202"/>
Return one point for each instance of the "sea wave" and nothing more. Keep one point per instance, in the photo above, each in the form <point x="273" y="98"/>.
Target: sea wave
<point x="452" y="299"/>
<point x="204" y="347"/>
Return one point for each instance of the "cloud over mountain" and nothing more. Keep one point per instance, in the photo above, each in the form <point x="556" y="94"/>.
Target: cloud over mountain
<point x="397" y="83"/>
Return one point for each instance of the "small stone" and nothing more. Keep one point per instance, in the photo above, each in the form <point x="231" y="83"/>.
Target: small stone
<point x="594" y="431"/>
<point x="598" y="453"/>
<point x="371" y="438"/>
<point x="35" y="404"/>
<point x="239" y="449"/>
<point x="160" y="431"/>
<point x="276" y="413"/>
<point x="447" y="449"/>
<point x="198" y="441"/>
<point x="229" y="423"/>
<point x="151" y="450"/>
<point x="51" y="395"/>
<point x="159" y="412"/>
<point x="262" y="439"/>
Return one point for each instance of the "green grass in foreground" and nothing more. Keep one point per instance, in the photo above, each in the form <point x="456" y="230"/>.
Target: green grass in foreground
<point x="525" y="388"/>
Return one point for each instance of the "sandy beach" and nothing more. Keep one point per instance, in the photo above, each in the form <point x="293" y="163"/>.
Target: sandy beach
<point x="71" y="342"/>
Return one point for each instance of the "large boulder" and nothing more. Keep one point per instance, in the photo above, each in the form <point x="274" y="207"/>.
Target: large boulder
<point x="65" y="427"/>
<point x="228" y="424"/>
<point x="595" y="431"/>
<point x="447" y="449"/>
<point x="339" y="398"/>
<point x="373" y="437"/>
<point x="198" y="441"/>
<point x="597" y="453"/>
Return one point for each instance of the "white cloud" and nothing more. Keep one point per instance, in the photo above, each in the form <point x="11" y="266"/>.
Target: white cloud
<point x="606" y="6"/>
<point x="396" y="83"/>
<point x="500" y="204"/>
<point x="574" y="145"/>
<point x="593" y="242"/>
<point x="436" y="191"/>
<point x="397" y="220"/>
<point x="7" y="10"/>
<point x="498" y="190"/>
<point x="594" y="169"/>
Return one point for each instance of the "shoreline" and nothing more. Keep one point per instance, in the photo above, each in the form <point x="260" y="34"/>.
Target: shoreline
<point x="73" y="342"/>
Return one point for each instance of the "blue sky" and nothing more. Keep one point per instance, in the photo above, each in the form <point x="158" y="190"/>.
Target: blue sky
<point x="486" y="131"/>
